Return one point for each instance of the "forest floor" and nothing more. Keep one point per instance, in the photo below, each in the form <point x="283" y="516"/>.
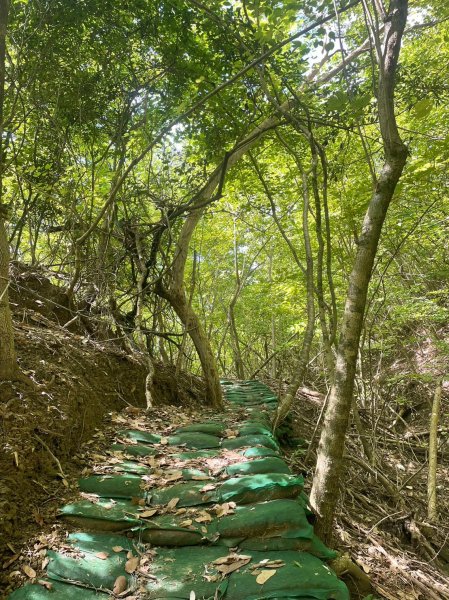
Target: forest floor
<point x="381" y="521"/>
<point x="55" y="428"/>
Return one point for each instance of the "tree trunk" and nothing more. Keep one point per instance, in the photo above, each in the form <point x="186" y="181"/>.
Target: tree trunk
<point x="193" y="326"/>
<point x="325" y="490"/>
<point x="238" y="362"/>
<point x="303" y="360"/>
<point x="8" y="365"/>
<point x="432" y="511"/>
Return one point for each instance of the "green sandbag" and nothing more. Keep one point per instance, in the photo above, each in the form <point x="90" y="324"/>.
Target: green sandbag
<point x="210" y="428"/>
<point x="113" y="486"/>
<point x="250" y="440"/>
<point x="134" y="449"/>
<point x="195" y="475"/>
<point x="194" y="454"/>
<point x="302" y="577"/>
<point x="88" y="569"/>
<point x="259" y="488"/>
<point x="271" y="464"/>
<point x="58" y="591"/>
<point x="189" y="494"/>
<point x="97" y="542"/>
<point x="190" y="439"/>
<point x="258" y="452"/>
<point x="304" y="501"/>
<point x="254" y="428"/>
<point x="267" y="520"/>
<point x="104" y="515"/>
<point x="313" y="546"/>
<point x="276" y="544"/>
<point x="139" y="436"/>
<point x="129" y="466"/>
<point x="167" y="530"/>
<point x="179" y="572"/>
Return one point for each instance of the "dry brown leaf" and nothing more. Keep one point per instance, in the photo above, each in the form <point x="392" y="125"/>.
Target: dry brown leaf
<point x="208" y="487"/>
<point x="226" y="569"/>
<point x="10" y="561"/>
<point x="223" y="560"/>
<point x="173" y="502"/>
<point x="232" y="562"/>
<point x="45" y="584"/>
<point x="117" y="548"/>
<point x="174" y="476"/>
<point x="138" y="501"/>
<point x="186" y="523"/>
<point x="265" y="575"/>
<point x="132" y="564"/>
<point x="224" y="509"/>
<point x="102" y="555"/>
<point x="203" y="518"/>
<point x="120" y="584"/>
<point x="29" y="571"/>
<point x="164" y="441"/>
<point x="148" y="513"/>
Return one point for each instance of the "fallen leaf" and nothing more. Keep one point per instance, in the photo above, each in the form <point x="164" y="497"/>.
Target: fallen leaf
<point x="231" y="558"/>
<point x="173" y="502"/>
<point x="186" y="523"/>
<point x="208" y="487"/>
<point x="224" y="509"/>
<point x="164" y="441"/>
<point x="102" y="555"/>
<point x="174" y="476"/>
<point x="265" y="575"/>
<point x="226" y="569"/>
<point x="203" y="518"/>
<point x="120" y="584"/>
<point x="230" y="563"/>
<point x="148" y="513"/>
<point x="10" y="561"/>
<point x="45" y="584"/>
<point x="117" y="548"/>
<point x="138" y="501"/>
<point x="29" y="571"/>
<point x="132" y="564"/>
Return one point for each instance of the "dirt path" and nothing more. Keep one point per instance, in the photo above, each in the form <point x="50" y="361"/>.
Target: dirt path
<point x="186" y="510"/>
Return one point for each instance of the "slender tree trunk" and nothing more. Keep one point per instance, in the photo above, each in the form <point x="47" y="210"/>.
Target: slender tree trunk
<point x="432" y="511"/>
<point x="201" y="342"/>
<point x="303" y="359"/>
<point x="326" y="482"/>
<point x="238" y="362"/>
<point x="8" y="365"/>
<point x="141" y="336"/>
<point x="160" y="324"/>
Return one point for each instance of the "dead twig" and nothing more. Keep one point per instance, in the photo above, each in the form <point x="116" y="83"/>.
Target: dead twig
<point x="58" y="464"/>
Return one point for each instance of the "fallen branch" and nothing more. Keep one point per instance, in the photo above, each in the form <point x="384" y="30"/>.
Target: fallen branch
<point x="58" y="464"/>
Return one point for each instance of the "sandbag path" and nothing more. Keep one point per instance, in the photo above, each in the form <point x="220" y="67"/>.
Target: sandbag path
<point x="208" y="511"/>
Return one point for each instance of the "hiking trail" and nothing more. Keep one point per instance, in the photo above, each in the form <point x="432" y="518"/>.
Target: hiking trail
<point x="201" y="510"/>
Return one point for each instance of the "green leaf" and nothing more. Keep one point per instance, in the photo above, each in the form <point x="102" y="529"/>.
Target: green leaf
<point x="423" y="107"/>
